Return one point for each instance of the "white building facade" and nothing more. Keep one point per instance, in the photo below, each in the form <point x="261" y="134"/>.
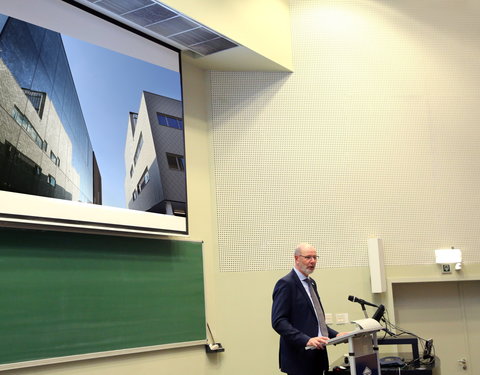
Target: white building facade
<point x="155" y="157"/>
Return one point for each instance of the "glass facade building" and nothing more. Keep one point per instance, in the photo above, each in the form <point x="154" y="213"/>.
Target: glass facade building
<point x="45" y="148"/>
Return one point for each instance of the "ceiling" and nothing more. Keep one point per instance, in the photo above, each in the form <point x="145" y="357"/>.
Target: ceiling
<point x="163" y="23"/>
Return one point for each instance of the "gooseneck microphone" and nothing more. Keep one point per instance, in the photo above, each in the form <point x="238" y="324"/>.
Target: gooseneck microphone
<point x="361" y="301"/>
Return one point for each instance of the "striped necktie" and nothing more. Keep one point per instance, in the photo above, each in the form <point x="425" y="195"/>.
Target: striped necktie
<point x="318" y="309"/>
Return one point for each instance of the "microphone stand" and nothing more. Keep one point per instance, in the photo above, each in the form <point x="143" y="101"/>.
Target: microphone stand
<point x="383" y="320"/>
<point x="364" y="310"/>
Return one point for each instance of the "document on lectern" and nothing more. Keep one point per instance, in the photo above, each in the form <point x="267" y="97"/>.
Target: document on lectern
<point x="368" y="324"/>
<point x="364" y="326"/>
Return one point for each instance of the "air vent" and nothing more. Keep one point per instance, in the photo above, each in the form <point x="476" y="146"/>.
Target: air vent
<point x="173" y="26"/>
<point x="156" y="19"/>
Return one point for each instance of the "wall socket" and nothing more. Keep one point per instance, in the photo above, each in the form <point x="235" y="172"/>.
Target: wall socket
<point x="446" y="268"/>
<point x="342" y="318"/>
<point x="328" y="318"/>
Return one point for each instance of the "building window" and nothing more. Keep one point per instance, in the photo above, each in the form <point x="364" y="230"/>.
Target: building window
<point x="176" y="162"/>
<point x="28" y="163"/>
<point x="133" y="121"/>
<point x="23" y="121"/>
<point x="138" y="149"/>
<point x="51" y="180"/>
<point x="135" y="195"/>
<point x="131" y="171"/>
<point x="171" y="122"/>
<point x="55" y="159"/>
<point x="143" y="180"/>
<point x="44" y="145"/>
<point x="9" y="149"/>
<point x="37" y="98"/>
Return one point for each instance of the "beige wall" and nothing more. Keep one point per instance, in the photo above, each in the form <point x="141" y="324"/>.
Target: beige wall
<point x="261" y="26"/>
<point x="373" y="134"/>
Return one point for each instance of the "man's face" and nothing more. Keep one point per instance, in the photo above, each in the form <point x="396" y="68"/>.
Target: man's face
<point x="306" y="261"/>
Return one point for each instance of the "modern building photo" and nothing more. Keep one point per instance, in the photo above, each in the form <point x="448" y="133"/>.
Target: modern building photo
<point x="155" y="157"/>
<point x="45" y="147"/>
<point x="64" y="115"/>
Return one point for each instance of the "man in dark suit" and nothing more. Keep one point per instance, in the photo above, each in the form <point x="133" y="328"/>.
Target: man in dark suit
<point x="297" y="320"/>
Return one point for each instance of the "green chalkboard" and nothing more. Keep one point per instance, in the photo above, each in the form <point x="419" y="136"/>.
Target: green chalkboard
<point x="65" y="294"/>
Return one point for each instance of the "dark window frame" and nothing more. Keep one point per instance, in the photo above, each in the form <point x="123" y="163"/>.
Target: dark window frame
<point x="143" y="181"/>
<point x="51" y="180"/>
<point x="37" y="99"/>
<point x="170" y="121"/>
<point x="138" y="149"/>
<point x="26" y="125"/>
<point x="175" y="162"/>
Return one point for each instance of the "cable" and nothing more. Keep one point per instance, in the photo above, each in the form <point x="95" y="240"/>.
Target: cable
<point x="211" y="335"/>
<point x="422" y="360"/>
<point x="427" y="356"/>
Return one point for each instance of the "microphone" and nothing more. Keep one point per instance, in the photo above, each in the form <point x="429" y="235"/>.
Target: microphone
<point x="361" y="301"/>
<point x="379" y="313"/>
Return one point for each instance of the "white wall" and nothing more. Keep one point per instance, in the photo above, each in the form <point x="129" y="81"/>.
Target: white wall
<point x="260" y="26"/>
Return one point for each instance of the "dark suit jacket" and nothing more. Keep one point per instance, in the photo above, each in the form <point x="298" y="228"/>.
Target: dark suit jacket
<point x="293" y="317"/>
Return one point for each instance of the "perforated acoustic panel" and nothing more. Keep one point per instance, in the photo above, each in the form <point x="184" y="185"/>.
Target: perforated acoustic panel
<point x="374" y="134"/>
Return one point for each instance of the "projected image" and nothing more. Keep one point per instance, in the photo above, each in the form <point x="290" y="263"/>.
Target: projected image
<point x="83" y="123"/>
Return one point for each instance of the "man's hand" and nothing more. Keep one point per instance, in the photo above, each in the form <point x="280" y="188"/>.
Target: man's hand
<point x="318" y="342"/>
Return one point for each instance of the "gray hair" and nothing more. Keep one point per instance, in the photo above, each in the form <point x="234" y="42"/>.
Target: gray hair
<point x="302" y="246"/>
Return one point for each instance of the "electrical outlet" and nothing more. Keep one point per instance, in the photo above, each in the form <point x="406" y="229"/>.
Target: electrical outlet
<point x="446" y="268"/>
<point x="328" y="318"/>
<point x="341" y="318"/>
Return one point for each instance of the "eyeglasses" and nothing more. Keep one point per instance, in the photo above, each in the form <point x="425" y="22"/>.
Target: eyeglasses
<point x="309" y="257"/>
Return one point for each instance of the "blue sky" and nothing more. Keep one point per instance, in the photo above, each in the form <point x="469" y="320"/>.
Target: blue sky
<point x="109" y="86"/>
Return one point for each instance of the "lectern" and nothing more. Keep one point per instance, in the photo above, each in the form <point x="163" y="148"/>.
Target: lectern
<point x="362" y="347"/>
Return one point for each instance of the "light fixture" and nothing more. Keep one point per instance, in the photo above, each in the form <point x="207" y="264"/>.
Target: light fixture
<point x="448" y="257"/>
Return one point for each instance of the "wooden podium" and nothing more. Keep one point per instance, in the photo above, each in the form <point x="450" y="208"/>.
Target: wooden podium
<point x="362" y="347"/>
